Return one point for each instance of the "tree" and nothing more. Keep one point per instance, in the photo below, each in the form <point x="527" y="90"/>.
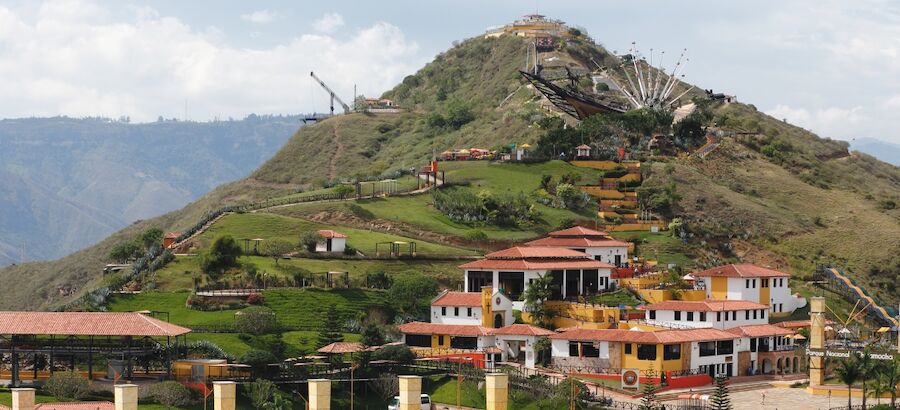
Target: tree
<point x="255" y="320"/>
<point x="343" y="190"/>
<point x="276" y="248"/>
<point x="395" y="353"/>
<point x="386" y="385"/>
<point x="411" y="295"/>
<point x="258" y="360"/>
<point x="278" y="403"/>
<point x="720" y="399"/>
<point x="222" y="255"/>
<point x="123" y="251"/>
<point x="331" y="331"/>
<point x="260" y="392"/>
<point x="868" y="370"/>
<point x="372" y="335"/>
<point x="151" y="237"/>
<point x="537" y="293"/>
<point x="309" y="240"/>
<point x="648" y="391"/>
<point x="67" y="386"/>
<point x="543" y="350"/>
<point x="890" y="377"/>
<point x="849" y="373"/>
<point x="170" y="394"/>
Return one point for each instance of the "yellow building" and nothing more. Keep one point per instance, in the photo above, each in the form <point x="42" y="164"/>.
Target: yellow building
<point x="750" y="282"/>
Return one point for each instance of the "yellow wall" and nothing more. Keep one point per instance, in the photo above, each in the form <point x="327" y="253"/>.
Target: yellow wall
<point x="436" y="338"/>
<point x="487" y="314"/>
<point x="719" y="288"/>
<point x="630" y="361"/>
<point x="661" y="295"/>
<point x="584" y="312"/>
<point x="643" y="226"/>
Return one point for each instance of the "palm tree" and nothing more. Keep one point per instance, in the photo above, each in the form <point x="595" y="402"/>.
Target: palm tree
<point x="537" y="293"/>
<point x="868" y="370"/>
<point x="849" y="372"/>
<point x="890" y="377"/>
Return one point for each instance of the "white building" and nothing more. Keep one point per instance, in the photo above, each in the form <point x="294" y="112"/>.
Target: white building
<point x="331" y="242"/>
<point x="753" y="283"/>
<point x="717" y="314"/>
<point x="595" y="243"/>
<point x="512" y="270"/>
<point x="465" y="308"/>
<point x="770" y="347"/>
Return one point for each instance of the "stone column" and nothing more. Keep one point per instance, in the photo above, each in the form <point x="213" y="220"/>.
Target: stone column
<point x="497" y="391"/>
<point x="224" y="395"/>
<point x="320" y="394"/>
<point x="126" y="396"/>
<point x="816" y="340"/>
<point x="410" y="392"/>
<point x="22" y="399"/>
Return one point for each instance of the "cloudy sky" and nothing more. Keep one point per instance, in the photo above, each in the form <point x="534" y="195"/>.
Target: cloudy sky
<point x="831" y="66"/>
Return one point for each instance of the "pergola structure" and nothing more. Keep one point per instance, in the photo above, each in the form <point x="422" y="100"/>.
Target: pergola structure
<point x="86" y="335"/>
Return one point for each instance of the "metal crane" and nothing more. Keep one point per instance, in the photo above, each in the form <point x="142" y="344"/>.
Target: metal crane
<point x="333" y="95"/>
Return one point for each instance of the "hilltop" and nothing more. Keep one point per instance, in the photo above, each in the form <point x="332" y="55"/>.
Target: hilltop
<point x="773" y="194"/>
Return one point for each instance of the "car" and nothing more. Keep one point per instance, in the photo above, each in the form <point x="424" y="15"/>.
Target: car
<point x="426" y="403"/>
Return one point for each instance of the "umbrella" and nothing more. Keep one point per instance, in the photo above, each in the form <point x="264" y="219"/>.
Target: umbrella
<point x="799" y="337"/>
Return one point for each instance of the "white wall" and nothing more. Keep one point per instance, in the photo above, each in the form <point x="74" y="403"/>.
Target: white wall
<point x="697" y="360"/>
<point x="451" y="319"/>
<point x="608" y="254"/>
<point x="338" y="245"/>
<point x="668" y="317"/>
<point x="560" y="348"/>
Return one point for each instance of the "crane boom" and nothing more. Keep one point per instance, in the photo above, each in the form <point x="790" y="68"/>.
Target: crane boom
<point x="332" y="94"/>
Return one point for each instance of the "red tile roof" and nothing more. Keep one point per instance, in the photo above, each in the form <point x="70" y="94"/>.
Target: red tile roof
<point x="759" y="331"/>
<point x="523" y="330"/>
<point x="521" y="252"/>
<point x="342" y="347"/>
<point x="706" y="305"/>
<point x="422" y="328"/>
<point x="576" y="242"/>
<point x="798" y="324"/>
<point x="173" y="235"/>
<point x="578" y="231"/>
<point x="86" y="324"/>
<point x="583" y="146"/>
<point x="328" y="233"/>
<point x="647" y="337"/>
<point x="466" y="299"/>
<point x="539" y="264"/>
<point x="744" y="270"/>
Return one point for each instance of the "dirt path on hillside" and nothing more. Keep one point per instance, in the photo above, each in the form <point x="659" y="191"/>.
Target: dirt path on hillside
<point x="338" y="152"/>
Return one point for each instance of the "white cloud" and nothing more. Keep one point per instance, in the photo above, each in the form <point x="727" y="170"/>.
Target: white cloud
<point x="260" y="16"/>
<point x="832" y="122"/>
<point x="328" y="23"/>
<point x="69" y="59"/>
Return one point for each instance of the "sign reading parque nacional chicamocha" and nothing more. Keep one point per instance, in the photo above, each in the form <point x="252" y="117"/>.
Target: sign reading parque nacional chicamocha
<point x="845" y="354"/>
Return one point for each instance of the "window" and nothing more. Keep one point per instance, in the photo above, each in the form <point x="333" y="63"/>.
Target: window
<point x="748" y="284"/>
<point x="725" y="347"/>
<point x="734" y="315"/>
<point x="718" y="316"/>
<point x="440" y="340"/>
<point x="726" y="316"/>
<point x="707" y="348"/>
<point x="464" y="342"/>
<point x="754" y="313"/>
<point x="671" y="352"/>
<point x="646" y="352"/>
<point x="573" y="349"/>
<point x="702" y="316"/>
<point x="677" y="315"/>
<point x="418" y="340"/>
<point x="627" y="348"/>
<point x="754" y="283"/>
<point x="456" y="311"/>
<point x="443" y="311"/>
<point x="469" y="312"/>
<point x="690" y="316"/>
<point x="746" y="315"/>
<point x="588" y="350"/>
<point x="762" y="313"/>
<point x="652" y="314"/>
<point x="752" y="344"/>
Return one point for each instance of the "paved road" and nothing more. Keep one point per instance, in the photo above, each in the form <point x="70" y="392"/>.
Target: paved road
<point x="787" y="399"/>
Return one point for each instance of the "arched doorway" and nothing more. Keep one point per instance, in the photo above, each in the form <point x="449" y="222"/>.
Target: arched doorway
<point x="766" y="366"/>
<point x="498" y="321"/>
<point x="780" y="366"/>
<point x="796" y="365"/>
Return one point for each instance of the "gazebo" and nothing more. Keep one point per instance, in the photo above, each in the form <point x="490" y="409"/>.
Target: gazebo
<point x="583" y="151"/>
<point x="85" y="335"/>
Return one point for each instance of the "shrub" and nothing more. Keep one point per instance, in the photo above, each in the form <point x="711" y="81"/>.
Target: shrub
<point x="476" y="235"/>
<point x="309" y="239"/>
<point x="222" y="255"/>
<point x="398" y="353"/>
<point x="255" y="320"/>
<point x="205" y="349"/>
<point x="344" y="190"/>
<point x="258" y="360"/>
<point x="260" y="392"/>
<point x="412" y="294"/>
<point x="67" y="386"/>
<point x="256" y="299"/>
<point x="170" y="394"/>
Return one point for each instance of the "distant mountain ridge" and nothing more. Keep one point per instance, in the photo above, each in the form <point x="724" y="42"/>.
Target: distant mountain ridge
<point x="883" y="150"/>
<point x="66" y="183"/>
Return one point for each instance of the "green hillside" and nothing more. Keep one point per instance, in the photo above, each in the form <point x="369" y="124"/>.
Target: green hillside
<point x="774" y="194"/>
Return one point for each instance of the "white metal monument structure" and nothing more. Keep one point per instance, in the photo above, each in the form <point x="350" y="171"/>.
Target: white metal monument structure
<point x="648" y="85"/>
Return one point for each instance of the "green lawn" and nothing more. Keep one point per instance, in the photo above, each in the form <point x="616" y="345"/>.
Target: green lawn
<point x="616" y="298"/>
<point x="271" y="226"/>
<point x="178" y="274"/>
<point x="294" y="308"/>
<point x="662" y="247"/>
<point x="404" y="184"/>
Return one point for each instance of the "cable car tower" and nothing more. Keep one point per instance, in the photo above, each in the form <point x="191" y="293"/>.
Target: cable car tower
<point x="332" y="94"/>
